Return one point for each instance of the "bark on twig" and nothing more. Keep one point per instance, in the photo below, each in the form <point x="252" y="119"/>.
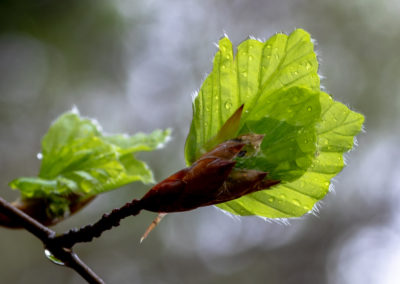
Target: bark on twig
<point x="43" y="233"/>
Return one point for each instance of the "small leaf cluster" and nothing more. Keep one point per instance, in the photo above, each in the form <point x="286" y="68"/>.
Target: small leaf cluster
<point x="306" y="131"/>
<point x="78" y="162"/>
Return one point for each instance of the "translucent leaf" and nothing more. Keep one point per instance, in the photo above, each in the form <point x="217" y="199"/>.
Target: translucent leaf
<point x="278" y="84"/>
<point x="335" y="135"/>
<point x="252" y="78"/>
<point x="140" y="141"/>
<point x="288" y="123"/>
<point x="77" y="159"/>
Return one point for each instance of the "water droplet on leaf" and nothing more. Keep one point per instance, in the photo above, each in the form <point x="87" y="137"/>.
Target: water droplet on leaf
<point x="296" y="202"/>
<point x="52" y="258"/>
<point x="271" y="199"/>
<point x="228" y="105"/>
<point x="309" y="108"/>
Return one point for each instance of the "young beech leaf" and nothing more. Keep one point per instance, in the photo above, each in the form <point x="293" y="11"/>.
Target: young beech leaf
<point x="258" y="70"/>
<point x="335" y="136"/>
<point x="305" y="131"/>
<point x="78" y="160"/>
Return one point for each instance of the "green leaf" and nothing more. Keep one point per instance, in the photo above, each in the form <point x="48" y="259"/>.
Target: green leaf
<point x="78" y="159"/>
<point x="335" y="136"/>
<point x="278" y="84"/>
<point x="288" y="123"/>
<point x="140" y="141"/>
<point x="258" y="71"/>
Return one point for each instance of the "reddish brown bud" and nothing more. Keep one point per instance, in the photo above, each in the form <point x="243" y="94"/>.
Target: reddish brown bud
<point x="189" y="188"/>
<point x="210" y="180"/>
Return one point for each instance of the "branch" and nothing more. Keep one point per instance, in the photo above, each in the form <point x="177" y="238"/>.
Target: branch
<point x="66" y="256"/>
<point x="40" y="231"/>
<point x="87" y="233"/>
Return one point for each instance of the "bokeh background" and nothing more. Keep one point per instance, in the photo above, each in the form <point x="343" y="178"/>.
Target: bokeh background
<point x="133" y="65"/>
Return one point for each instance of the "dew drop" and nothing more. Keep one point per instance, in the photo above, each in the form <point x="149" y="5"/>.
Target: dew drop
<point x="268" y="46"/>
<point x="228" y="57"/>
<point x="268" y="57"/>
<point x="244" y="53"/>
<point x="228" y="105"/>
<point x="271" y="199"/>
<point x="282" y="196"/>
<point x="296" y="73"/>
<point x="244" y="74"/>
<point x="250" y="58"/>
<point x="52" y="258"/>
<point x="296" y="202"/>
<point x="39" y="156"/>
<point x="308" y="66"/>
<point x="223" y="66"/>
<point x="309" y="108"/>
<point x="327" y="183"/>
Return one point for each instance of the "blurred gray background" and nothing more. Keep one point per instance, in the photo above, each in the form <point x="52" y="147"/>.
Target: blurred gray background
<point x="133" y="65"/>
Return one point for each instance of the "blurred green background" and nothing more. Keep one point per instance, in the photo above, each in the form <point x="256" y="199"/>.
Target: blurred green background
<point x="133" y="65"/>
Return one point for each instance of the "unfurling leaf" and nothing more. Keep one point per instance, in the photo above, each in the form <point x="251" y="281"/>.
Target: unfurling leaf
<point x="79" y="162"/>
<point x="210" y="180"/>
<point x="305" y="131"/>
